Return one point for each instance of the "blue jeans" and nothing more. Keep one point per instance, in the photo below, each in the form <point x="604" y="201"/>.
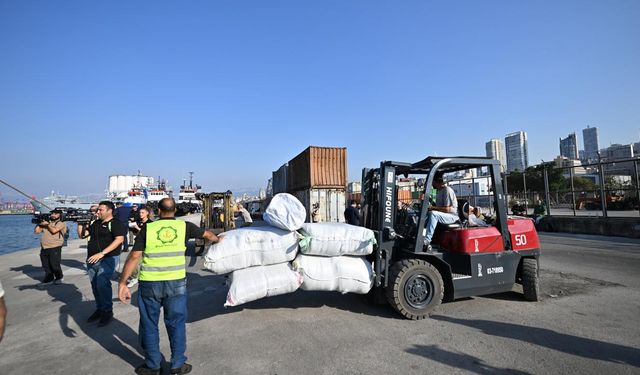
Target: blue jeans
<point x="436" y="217"/>
<point x="172" y="297"/>
<point x="100" y="274"/>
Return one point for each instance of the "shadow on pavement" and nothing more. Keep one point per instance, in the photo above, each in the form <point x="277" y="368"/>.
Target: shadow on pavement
<point x="574" y="345"/>
<point x="459" y="360"/>
<point x="72" y="263"/>
<point x="206" y="305"/>
<point x="110" y="337"/>
<point x="507" y="296"/>
<point x="354" y="303"/>
<point x="36" y="273"/>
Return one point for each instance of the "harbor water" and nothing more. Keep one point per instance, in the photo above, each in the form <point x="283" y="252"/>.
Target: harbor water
<point x="16" y="233"/>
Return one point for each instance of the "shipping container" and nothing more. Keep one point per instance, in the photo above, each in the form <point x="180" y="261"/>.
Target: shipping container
<point x="318" y="167"/>
<point x="404" y="196"/>
<point x="354" y="187"/>
<point x="279" y="180"/>
<point x="323" y="205"/>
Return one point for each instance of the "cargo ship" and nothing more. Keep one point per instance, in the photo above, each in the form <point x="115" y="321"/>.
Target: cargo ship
<point x="187" y="197"/>
<point x="154" y="195"/>
<point x="129" y="189"/>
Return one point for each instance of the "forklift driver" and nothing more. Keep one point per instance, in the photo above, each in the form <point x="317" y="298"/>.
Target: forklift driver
<point x="445" y="210"/>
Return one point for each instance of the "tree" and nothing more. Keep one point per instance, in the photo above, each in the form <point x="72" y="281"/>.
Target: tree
<point x="535" y="178"/>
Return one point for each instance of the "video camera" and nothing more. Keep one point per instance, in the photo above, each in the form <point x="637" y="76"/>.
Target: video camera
<point x="78" y="215"/>
<point x="39" y="218"/>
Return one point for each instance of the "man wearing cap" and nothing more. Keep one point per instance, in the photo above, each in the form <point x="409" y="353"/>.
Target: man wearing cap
<point x="53" y="231"/>
<point x="161" y="246"/>
<point x="444" y="211"/>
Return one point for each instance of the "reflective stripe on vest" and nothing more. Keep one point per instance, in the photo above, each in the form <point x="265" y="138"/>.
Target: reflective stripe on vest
<point x="163" y="257"/>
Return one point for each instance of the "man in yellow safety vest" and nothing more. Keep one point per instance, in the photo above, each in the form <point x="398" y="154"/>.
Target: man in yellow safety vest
<point x="162" y="279"/>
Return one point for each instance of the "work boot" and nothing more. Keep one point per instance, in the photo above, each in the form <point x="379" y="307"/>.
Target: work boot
<point x="95" y="316"/>
<point x="185" y="369"/>
<point x="427" y="246"/>
<point x="144" y="370"/>
<point x="105" y="318"/>
<point x="47" y="281"/>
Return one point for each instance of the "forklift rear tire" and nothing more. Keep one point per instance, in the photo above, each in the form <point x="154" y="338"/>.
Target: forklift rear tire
<point x="415" y="288"/>
<point x="530" y="279"/>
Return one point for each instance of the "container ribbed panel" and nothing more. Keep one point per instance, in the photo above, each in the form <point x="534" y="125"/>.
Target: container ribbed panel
<point x="318" y="167"/>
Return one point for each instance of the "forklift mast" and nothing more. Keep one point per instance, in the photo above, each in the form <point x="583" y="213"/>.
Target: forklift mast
<point x="211" y="211"/>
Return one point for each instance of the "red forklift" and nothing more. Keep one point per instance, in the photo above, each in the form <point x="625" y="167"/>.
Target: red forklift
<point x="463" y="260"/>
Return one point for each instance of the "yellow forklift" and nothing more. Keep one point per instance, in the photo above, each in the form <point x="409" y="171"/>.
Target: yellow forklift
<point x="217" y="214"/>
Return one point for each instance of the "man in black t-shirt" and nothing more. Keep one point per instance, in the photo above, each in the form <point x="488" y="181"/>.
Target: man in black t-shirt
<point x="351" y="214"/>
<point x="103" y="256"/>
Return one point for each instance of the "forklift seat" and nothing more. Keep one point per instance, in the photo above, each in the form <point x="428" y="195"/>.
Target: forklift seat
<point x="462" y="220"/>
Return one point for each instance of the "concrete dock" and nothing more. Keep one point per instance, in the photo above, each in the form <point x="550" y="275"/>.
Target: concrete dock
<point x="587" y="323"/>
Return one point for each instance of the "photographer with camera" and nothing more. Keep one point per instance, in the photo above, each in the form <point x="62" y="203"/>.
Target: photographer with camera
<point x="51" y="241"/>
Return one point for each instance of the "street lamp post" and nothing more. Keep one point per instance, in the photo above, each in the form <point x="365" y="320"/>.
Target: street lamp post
<point x="546" y="188"/>
<point x="635" y="169"/>
<point x="526" y="200"/>
<point x="603" y="197"/>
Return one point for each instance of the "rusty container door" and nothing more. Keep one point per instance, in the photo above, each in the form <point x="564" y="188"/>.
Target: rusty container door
<point x="318" y="167"/>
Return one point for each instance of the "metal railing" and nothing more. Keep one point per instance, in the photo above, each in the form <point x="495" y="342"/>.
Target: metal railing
<point x="475" y="190"/>
<point x="603" y="189"/>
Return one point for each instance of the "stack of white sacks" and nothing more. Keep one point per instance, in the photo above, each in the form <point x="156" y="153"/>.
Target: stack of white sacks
<point x="331" y="255"/>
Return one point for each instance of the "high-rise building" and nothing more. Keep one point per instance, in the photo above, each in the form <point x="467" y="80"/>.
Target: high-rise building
<point x="569" y="147"/>
<point x="617" y="151"/>
<point x="517" y="150"/>
<point x="591" y="143"/>
<point x="495" y="150"/>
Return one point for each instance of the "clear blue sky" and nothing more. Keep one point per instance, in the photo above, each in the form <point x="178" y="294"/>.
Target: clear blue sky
<point x="234" y="89"/>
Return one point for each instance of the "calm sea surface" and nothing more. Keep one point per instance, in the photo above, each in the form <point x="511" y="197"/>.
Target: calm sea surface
<point x="16" y="233"/>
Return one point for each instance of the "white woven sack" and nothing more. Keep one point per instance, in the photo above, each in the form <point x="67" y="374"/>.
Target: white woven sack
<point x="336" y="239"/>
<point x="285" y="212"/>
<point x="253" y="283"/>
<point x="341" y="274"/>
<point x="254" y="246"/>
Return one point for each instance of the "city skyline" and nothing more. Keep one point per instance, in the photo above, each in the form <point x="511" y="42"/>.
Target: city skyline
<point x="568" y="146"/>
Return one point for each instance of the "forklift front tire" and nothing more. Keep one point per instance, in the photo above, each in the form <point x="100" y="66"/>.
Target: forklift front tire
<point x="415" y="288"/>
